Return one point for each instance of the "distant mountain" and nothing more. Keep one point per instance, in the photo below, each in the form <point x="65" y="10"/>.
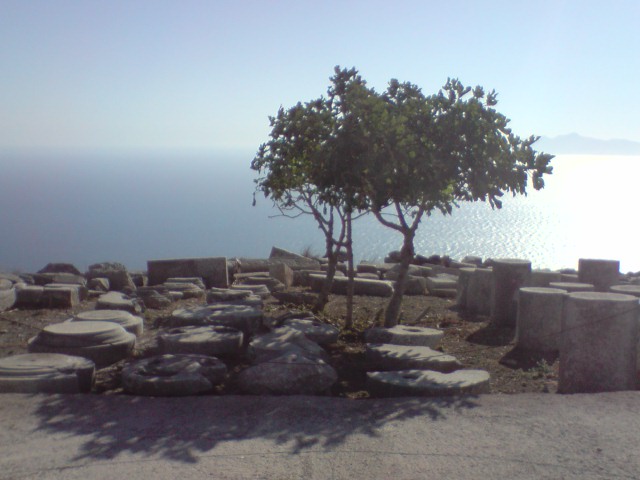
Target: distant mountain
<point x="579" y="145"/>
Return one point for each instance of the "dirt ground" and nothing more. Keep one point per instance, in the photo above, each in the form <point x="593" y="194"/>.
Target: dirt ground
<point x="472" y="339"/>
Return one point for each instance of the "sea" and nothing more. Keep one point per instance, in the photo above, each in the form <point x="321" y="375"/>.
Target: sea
<point x="86" y="207"/>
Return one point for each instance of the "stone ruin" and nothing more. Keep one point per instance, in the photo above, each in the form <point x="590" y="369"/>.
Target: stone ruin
<point x="195" y="345"/>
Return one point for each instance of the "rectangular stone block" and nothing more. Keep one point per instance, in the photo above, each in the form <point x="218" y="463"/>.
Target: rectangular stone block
<point x="212" y="270"/>
<point x="29" y="296"/>
<point x="60" y="296"/>
<point x="283" y="273"/>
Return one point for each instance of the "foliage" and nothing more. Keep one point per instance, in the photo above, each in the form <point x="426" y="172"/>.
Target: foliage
<point x="399" y="155"/>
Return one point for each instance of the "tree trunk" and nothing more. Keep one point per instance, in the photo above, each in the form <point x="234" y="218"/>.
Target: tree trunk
<point x="392" y="312"/>
<point x="323" y="296"/>
<point x="348" y="323"/>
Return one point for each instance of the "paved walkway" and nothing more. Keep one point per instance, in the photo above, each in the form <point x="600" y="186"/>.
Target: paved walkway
<point x="487" y="437"/>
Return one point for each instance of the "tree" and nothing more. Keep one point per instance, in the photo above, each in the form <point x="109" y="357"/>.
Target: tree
<point x="430" y="153"/>
<point x="305" y="167"/>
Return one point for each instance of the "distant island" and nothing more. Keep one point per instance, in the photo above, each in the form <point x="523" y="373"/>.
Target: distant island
<point x="578" y="145"/>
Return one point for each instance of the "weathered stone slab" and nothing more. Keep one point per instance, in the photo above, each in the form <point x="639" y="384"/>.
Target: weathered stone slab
<point x="212" y="340"/>
<point x="99" y="284"/>
<point x="375" y="288"/>
<point x="364" y="267"/>
<point x="283" y="273"/>
<point x="383" y="356"/>
<point x="173" y="375"/>
<point x="261" y="290"/>
<point x="404" y="335"/>
<point x="118" y="301"/>
<point x="442" y="282"/>
<point x="288" y="374"/>
<point x="46" y="373"/>
<point x="272" y="284"/>
<point x="197" y="281"/>
<point x="414" y="270"/>
<point x="188" y="290"/>
<point x="62" y="296"/>
<point x="244" y="318"/>
<point x="280" y="341"/>
<point x="426" y="383"/>
<point x="315" y="330"/>
<point x="212" y="270"/>
<point x="28" y="296"/>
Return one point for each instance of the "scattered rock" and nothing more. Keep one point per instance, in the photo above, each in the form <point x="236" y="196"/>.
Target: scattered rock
<point x="99" y="284"/>
<point x="428" y="383"/>
<point x="314" y="330"/>
<point x="213" y="340"/>
<point x="280" y="341"/>
<point x="173" y="375"/>
<point x="383" y="356"/>
<point x="288" y="374"/>
<point x="117" y="274"/>
<point x="118" y="301"/>
<point x="405" y="335"/>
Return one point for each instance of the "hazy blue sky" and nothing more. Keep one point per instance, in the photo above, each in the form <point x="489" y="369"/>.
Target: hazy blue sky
<point x="206" y="74"/>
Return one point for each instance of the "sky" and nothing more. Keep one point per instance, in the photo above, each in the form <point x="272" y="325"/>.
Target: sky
<point x="206" y="75"/>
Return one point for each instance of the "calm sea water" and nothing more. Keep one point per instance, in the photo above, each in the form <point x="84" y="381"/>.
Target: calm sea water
<point x="133" y="207"/>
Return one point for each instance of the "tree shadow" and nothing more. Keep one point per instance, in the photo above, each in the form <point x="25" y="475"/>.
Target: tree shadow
<point x="492" y="336"/>
<point x="183" y="429"/>
<point x="521" y="358"/>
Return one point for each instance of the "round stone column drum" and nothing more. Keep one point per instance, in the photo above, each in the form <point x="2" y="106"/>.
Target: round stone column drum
<point x="509" y="275"/>
<point x="599" y="342"/>
<point x="479" y="291"/>
<point x="539" y="318"/>
<point x="602" y="274"/>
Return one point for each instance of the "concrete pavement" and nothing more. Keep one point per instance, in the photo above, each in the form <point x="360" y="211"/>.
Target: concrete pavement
<point x="486" y="437"/>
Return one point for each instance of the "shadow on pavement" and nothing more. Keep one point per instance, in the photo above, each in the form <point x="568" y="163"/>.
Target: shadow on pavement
<point x="182" y="429"/>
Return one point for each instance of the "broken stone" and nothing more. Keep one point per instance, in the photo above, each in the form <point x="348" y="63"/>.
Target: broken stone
<point x="404" y="357"/>
<point x="117" y="274"/>
<point x="428" y="383"/>
<point x="173" y="375"/>
<point x="405" y="335"/>
<point x="288" y="374"/>
<point x="316" y="331"/>
<point x="118" y="301"/>
<point x="280" y="341"/>
<point x="99" y="284"/>
<point x="213" y="340"/>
